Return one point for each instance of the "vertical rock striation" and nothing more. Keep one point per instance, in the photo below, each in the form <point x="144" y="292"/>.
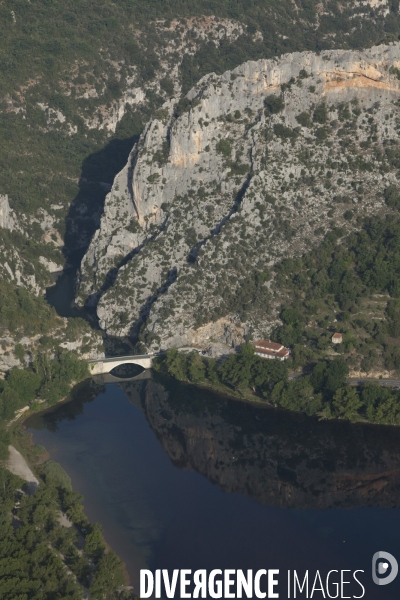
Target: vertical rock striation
<point x="252" y="166"/>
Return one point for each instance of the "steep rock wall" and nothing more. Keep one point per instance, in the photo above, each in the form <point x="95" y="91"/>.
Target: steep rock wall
<point x="226" y="183"/>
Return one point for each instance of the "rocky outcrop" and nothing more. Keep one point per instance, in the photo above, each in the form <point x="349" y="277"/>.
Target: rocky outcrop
<point x="252" y="166"/>
<point x="50" y="265"/>
<point x="81" y="339"/>
<point x="7" y="219"/>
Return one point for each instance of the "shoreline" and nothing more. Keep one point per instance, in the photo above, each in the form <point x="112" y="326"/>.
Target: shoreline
<point x="249" y="398"/>
<point x="21" y="463"/>
<point x="264" y="403"/>
<point x="19" y="428"/>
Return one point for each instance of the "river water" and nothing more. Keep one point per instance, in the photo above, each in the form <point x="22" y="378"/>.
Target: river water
<point x="182" y="478"/>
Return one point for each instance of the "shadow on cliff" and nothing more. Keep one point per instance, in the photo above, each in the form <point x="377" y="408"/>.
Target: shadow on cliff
<point x="97" y="175"/>
<point x="83" y="219"/>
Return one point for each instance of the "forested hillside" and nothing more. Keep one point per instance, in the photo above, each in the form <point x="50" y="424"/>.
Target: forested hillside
<point x="352" y="285"/>
<point x="48" y="548"/>
<point x="304" y="174"/>
<point x="40" y="556"/>
<point x="80" y="79"/>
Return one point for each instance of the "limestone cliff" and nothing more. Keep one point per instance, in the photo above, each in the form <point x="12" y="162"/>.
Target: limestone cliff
<point x="7" y="219"/>
<point x="251" y="166"/>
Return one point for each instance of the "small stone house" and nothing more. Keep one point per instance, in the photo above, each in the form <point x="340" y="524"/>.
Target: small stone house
<point x="337" y="338"/>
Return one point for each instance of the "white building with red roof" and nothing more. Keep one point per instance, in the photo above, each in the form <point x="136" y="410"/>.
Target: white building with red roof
<point x="271" y="350"/>
<point x="337" y="338"/>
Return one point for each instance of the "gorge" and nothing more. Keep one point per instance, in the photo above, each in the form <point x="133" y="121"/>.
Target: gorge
<point x="252" y="166"/>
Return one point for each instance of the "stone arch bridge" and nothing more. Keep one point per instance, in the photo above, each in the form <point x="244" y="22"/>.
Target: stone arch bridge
<point x="105" y="365"/>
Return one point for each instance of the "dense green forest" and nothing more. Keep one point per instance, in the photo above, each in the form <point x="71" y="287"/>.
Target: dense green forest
<point x="25" y="315"/>
<point x="40" y="559"/>
<point x="349" y="284"/>
<point x="43" y="38"/>
<point x="48" y="378"/>
<point x="23" y="312"/>
<point x="323" y="392"/>
<point x="42" y="384"/>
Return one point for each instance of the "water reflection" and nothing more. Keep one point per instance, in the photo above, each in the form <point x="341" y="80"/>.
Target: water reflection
<point x="67" y="411"/>
<point x="278" y="458"/>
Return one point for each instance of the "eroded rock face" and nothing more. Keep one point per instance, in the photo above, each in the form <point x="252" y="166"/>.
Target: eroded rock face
<point x="255" y="165"/>
<point x="277" y="458"/>
<point x="7" y="219"/>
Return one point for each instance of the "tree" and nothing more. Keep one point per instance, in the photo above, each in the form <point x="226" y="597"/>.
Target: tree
<point x="288" y="335"/>
<point x="304" y="119"/>
<point x="25" y="383"/>
<point x="267" y="373"/>
<point x="10" y="402"/>
<point x="274" y="104"/>
<point x="336" y="373"/>
<point x="321" y="114"/>
<point x="392" y="196"/>
<point x="236" y="369"/>
<point x="56" y="475"/>
<point x="224" y="148"/>
<point x="211" y="370"/>
<point x="19" y="352"/>
<point x="196" y="367"/>
<point x="346" y="403"/>
<point x="108" y="577"/>
<point x="329" y="376"/>
<point x="94" y="543"/>
<point x="388" y="411"/>
<point x="72" y="504"/>
<point x="318" y="376"/>
<point x="175" y="364"/>
<point x="297" y="395"/>
<point x="292" y="316"/>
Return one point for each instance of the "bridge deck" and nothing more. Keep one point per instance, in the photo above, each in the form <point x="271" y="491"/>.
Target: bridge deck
<point x="121" y="358"/>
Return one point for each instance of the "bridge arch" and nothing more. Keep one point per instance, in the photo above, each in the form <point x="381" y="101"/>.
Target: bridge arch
<point x="105" y="365"/>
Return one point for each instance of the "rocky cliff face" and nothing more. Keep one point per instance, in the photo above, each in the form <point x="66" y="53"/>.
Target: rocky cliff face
<point x="277" y="458"/>
<point x="7" y="220"/>
<point x="251" y="166"/>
